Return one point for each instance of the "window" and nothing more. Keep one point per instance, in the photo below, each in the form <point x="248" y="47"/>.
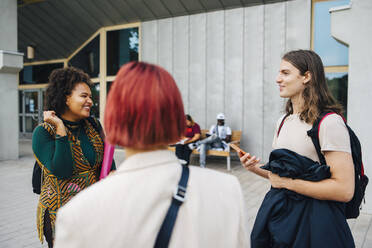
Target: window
<point x="337" y="84"/>
<point x="30" y="110"/>
<point x="122" y="47"/>
<point x="37" y="74"/>
<point x="87" y="59"/>
<point x="95" y="97"/>
<point x="334" y="54"/>
<point x="108" y="86"/>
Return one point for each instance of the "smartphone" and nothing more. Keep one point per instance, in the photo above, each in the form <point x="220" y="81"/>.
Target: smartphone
<point x="237" y="149"/>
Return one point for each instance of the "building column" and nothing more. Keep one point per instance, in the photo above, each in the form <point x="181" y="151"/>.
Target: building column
<point x="11" y="62"/>
<point x="352" y="25"/>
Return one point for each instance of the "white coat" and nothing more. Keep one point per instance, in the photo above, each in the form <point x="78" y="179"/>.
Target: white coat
<point x="127" y="209"/>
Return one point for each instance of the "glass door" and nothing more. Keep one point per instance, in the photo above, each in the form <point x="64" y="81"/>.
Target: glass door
<point x="30" y="111"/>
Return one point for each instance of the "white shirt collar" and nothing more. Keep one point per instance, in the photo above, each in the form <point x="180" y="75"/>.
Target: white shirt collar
<point x="148" y="159"/>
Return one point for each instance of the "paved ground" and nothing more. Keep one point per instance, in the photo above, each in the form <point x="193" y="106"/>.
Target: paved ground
<point x="18" y="203"/>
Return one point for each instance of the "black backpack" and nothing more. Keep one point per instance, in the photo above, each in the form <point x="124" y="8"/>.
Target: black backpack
<point x="352" y="207"/>
<point x="36" y="179"/>
<point x="36" y="173"/>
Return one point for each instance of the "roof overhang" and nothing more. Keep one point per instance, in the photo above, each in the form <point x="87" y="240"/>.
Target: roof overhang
<point x="56" y="28"/>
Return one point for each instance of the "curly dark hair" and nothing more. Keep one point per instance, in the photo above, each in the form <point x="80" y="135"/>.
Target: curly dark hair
<point x="61" y="83"/>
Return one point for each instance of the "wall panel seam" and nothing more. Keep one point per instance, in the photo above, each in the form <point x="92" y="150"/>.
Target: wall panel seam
<point x="157" y="41"/>
<point x="285" y="26"/>
<point x="188" y="63"/>
<point x="263" y="81"/>
<point x="172" y="48"/>
<point x="243" y="66"/>
<point x="224" y="62"/>
<point x="205" y="70"/>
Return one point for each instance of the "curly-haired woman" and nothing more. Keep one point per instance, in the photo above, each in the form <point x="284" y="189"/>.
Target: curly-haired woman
<point x="68" y="145"/>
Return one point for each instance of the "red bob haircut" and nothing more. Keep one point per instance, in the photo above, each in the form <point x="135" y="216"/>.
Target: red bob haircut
<point x="144" y="108"/>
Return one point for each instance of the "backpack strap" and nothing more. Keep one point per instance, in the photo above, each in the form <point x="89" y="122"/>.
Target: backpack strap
<point x="281" y="124"/>
<point x="313" y="133"/>
<point x="356" y="148"/>
<point x="165" y="233"/>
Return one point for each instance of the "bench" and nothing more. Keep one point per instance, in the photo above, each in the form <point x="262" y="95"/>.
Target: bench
<point x="235" y="139"/>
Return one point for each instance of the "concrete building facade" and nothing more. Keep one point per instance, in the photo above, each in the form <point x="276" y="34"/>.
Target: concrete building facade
<point x="11" y="62"/>
<point x="352" y="25"/>
<point x="227" y="61"/>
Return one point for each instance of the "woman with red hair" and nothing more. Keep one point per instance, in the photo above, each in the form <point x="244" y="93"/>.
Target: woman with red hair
<point x="144" y="114"/>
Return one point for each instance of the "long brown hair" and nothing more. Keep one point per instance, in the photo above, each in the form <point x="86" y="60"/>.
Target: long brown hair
<point x="316" y="95"/>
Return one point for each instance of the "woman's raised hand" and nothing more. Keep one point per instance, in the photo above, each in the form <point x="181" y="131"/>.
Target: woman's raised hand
<point x="51" y="117"/>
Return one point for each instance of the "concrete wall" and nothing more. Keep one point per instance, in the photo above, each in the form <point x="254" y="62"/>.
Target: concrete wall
<point x="227" y="61"/>
<point x="10" y="64"/>
<point x="344" y="22"/>
<point x="8" y="25"/>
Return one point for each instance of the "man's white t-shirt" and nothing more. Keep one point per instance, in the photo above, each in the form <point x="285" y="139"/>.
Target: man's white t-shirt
<point x="223" y="131"/>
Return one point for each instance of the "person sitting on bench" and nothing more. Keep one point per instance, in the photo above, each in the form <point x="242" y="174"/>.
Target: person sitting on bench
<point x="217" y="137"/>
<point x="192" y="135"/>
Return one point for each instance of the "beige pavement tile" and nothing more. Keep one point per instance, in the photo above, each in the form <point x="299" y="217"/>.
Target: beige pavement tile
<point x="368" y="237"/>
<point x="360" y="229"/>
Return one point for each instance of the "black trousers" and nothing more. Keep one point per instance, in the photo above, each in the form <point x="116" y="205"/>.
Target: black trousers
<point x="183" y="152"/>
<point x="48" y="229"/>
